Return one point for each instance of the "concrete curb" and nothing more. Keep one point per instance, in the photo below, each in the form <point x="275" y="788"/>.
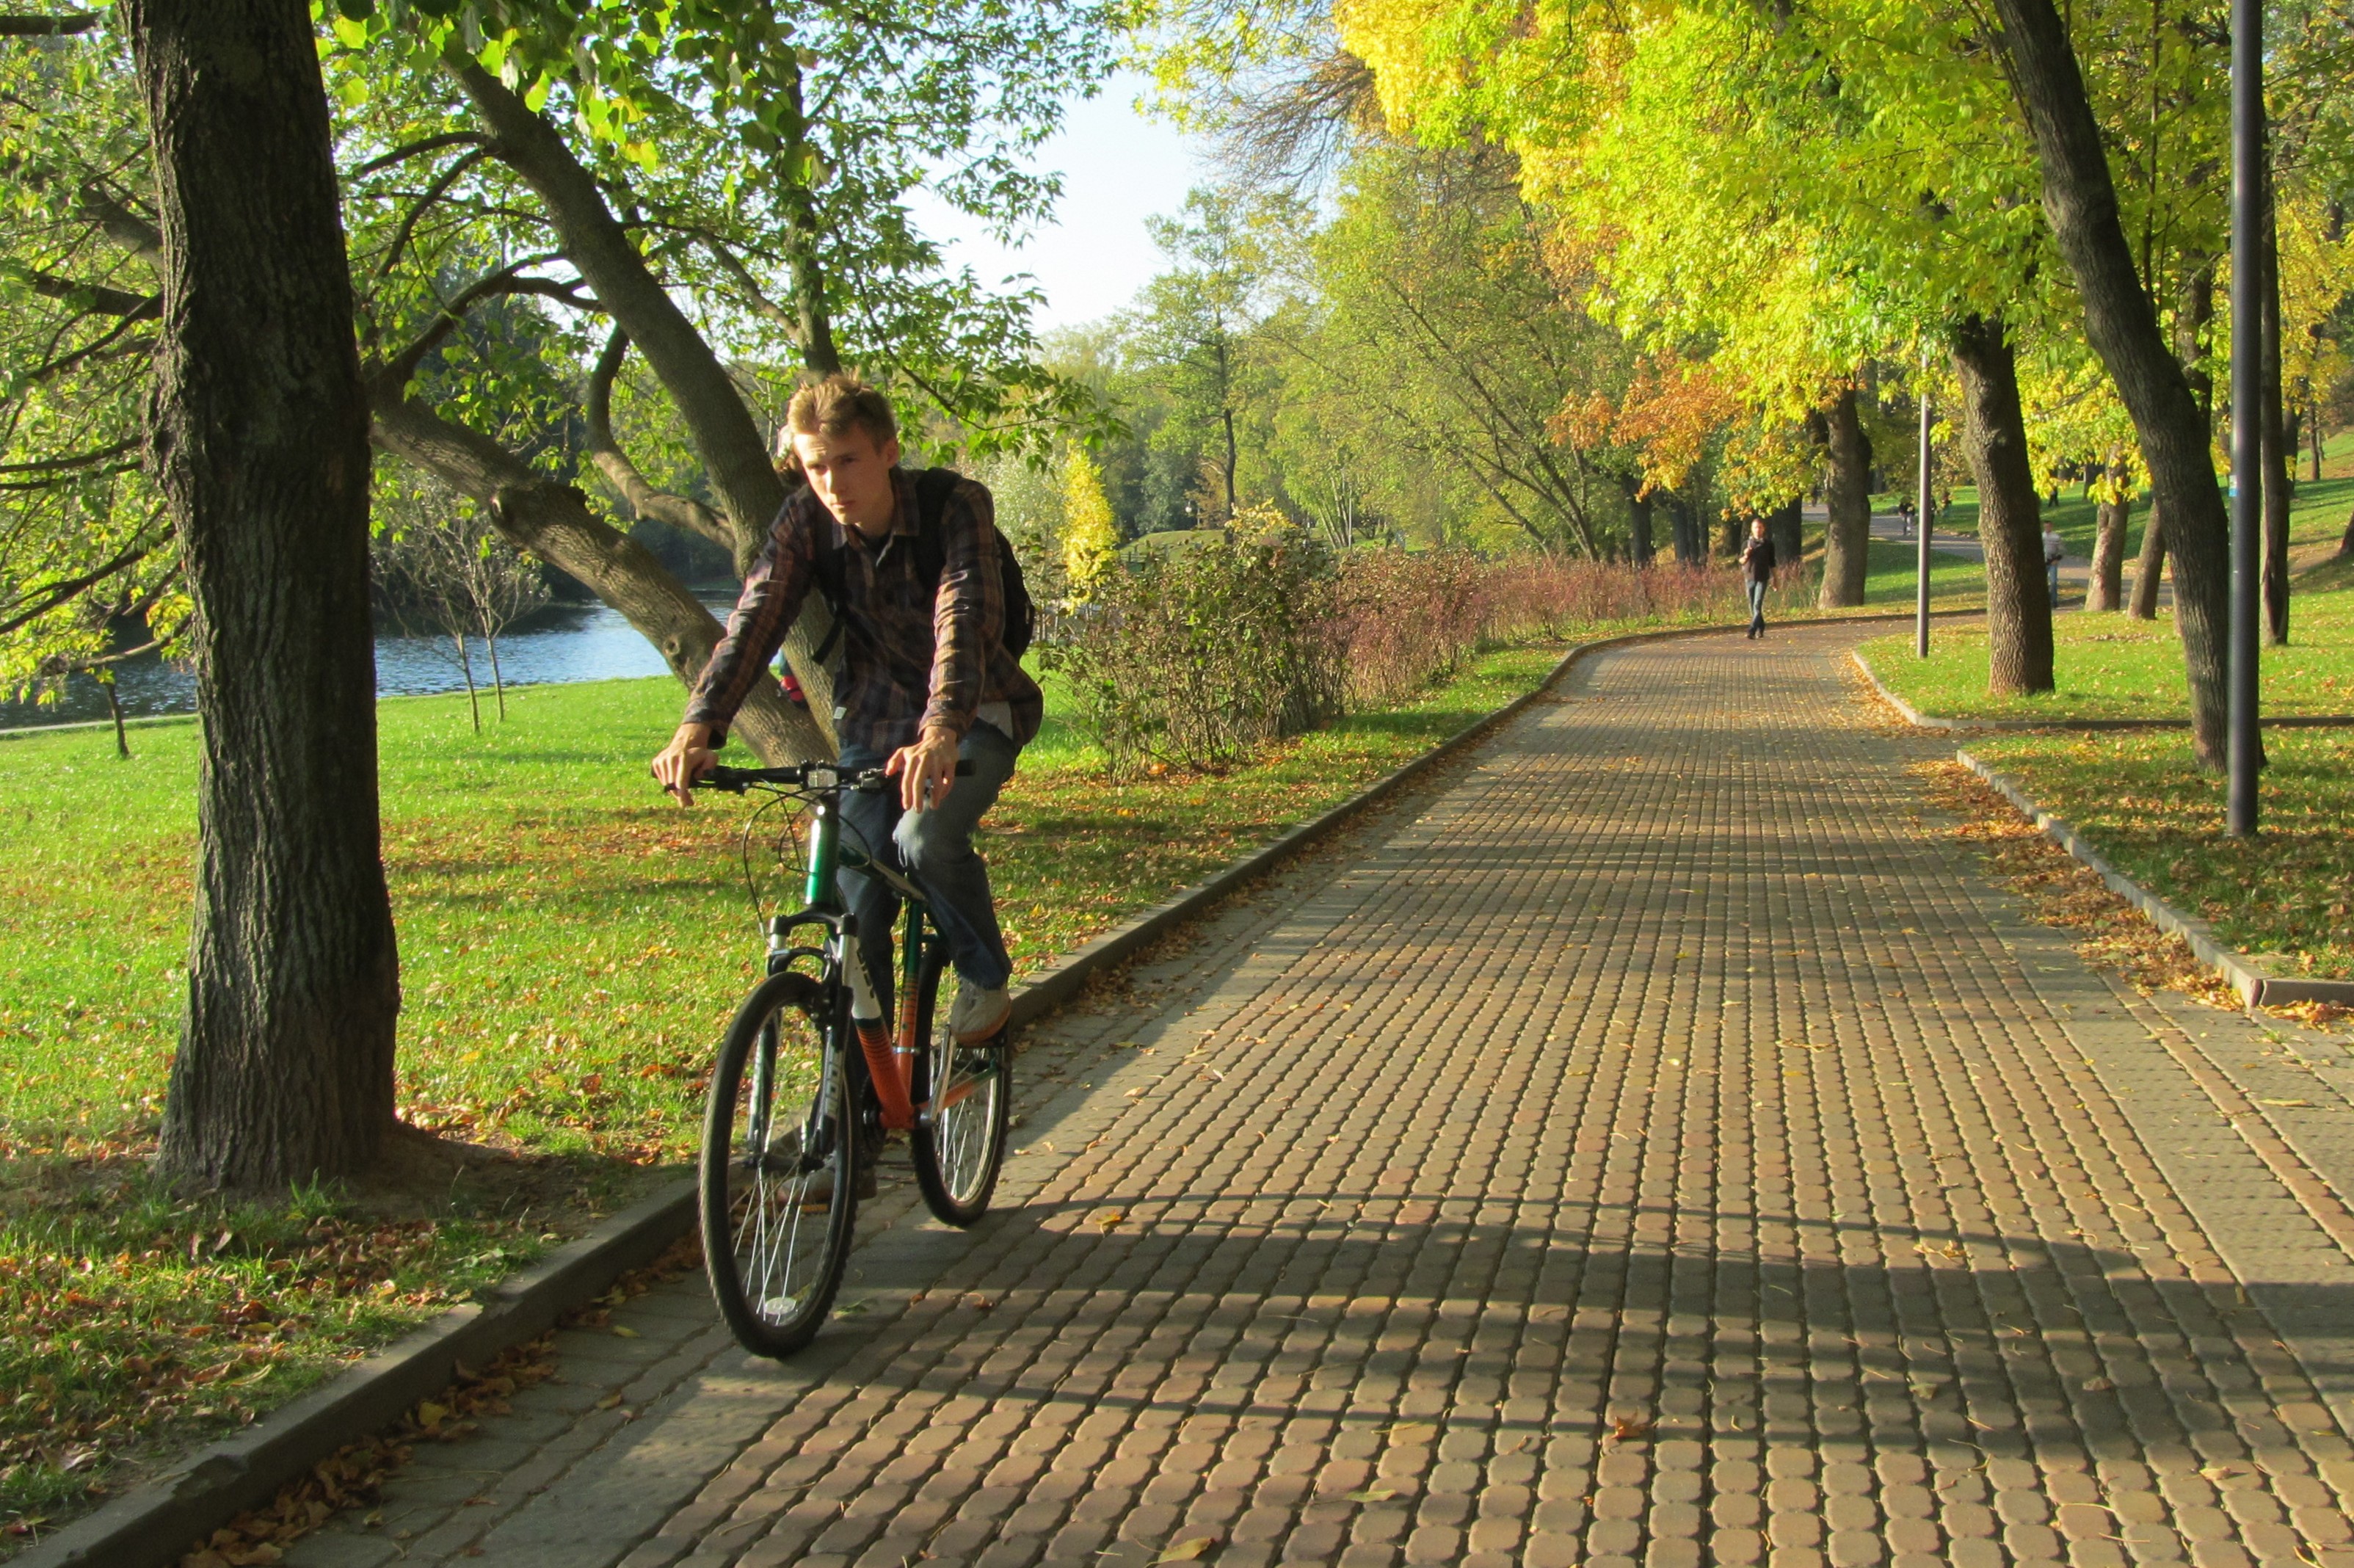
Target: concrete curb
<point x="1920" y="720"/>
<point x="151" y="1527"/>
<point x="2246" y="975"/>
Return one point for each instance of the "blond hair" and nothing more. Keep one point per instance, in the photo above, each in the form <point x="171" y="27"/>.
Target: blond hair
<point x="840" y="402"/>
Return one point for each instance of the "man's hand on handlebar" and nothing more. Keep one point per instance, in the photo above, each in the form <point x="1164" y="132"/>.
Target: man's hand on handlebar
<point x="924" y="770"/>
<point x="686" y="759"/>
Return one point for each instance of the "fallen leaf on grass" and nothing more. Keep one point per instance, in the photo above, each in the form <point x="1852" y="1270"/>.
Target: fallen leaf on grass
<point x="1110" y="1218"/>
<point x="1191" y="1551"/>
<point x="1630" y="1428"/>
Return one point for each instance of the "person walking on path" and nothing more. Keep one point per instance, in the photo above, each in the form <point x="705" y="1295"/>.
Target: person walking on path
<point x="925" y="678"/>
<point x="2055" y="550"/>
<point x="1757" y="568"/>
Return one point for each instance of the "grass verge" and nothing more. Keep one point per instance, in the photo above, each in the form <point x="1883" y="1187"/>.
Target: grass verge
<point x="2141" y="801"/>
<point x="2110" y="667"/>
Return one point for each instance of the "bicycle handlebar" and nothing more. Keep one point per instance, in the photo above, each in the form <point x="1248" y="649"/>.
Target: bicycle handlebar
<point x="807" y="775"/>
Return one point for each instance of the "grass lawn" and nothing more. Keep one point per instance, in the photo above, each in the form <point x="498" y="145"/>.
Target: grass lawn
<point x="2108" y="666"/>
<point x="572" y="945"/>
<point x="2317" y="508"/>
<point x="2160" y="821"/>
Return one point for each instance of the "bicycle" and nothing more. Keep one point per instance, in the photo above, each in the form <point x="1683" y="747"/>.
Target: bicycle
<point x="803" y="1098"/>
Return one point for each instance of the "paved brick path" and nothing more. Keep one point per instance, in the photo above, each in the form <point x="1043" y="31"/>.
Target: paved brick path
<point x="1653" y="1144"/>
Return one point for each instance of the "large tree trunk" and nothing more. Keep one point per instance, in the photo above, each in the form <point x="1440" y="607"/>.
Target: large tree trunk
<point x="2079" y="201"/>
<point x="553" y="522"/>
<point x="1847" y="536"/>
<point x="260" y="444"/>
<point x="2275" y="444"/>
<point x="2010" y="530"/>
<point x="2105" y="591"/>
<point x="2149" y="569"/>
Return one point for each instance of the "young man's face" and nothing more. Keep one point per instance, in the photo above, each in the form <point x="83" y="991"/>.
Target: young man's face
<point x="851" y="475"/>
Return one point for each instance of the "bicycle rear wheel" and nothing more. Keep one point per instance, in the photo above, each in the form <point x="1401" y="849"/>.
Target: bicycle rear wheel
<point x="963" y="1097"/>
<point x="779" y="1199"/>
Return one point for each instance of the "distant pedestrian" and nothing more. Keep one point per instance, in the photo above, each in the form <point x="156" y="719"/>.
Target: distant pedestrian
<point x="2055" y="549"/>
<point x="1904" y="518"/>
<point x="1757" y="567"/>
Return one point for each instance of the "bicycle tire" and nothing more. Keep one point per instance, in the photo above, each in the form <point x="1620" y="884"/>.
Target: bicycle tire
<point x="764" y="1160"/>
<point x="957" y="1149"/>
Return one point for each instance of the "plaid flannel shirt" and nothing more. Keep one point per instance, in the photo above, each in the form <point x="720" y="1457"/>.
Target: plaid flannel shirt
<point x="911" y="656"/>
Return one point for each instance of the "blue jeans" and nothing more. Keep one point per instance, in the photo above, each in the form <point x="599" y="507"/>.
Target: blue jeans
<point x="1756" y="607"/>
<point x="934" y="850"/>
<point x="2051" y="577"/>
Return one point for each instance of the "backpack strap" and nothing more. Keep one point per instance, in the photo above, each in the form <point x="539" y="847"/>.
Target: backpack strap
<point x="933" y="487"/>
<point x="825" y="571"/>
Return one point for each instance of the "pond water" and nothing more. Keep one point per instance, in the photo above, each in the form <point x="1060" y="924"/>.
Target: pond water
<point x="562" y="643"/>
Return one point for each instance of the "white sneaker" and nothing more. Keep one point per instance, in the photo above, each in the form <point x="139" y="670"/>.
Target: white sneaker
<point x="976" y="1014"/>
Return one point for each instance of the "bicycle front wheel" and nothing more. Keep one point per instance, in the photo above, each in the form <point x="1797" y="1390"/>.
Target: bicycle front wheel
<point x="963" y="1097"/>
<point x="778" y="1201"/>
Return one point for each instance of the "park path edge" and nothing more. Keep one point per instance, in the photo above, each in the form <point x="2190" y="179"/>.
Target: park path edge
<point x="2247" y="975"/>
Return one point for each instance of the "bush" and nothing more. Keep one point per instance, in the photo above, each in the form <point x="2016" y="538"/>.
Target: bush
<point x="1192" y="658"/>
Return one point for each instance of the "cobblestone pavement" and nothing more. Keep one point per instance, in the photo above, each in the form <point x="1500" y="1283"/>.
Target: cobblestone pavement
<point x="1652" y="1143"/>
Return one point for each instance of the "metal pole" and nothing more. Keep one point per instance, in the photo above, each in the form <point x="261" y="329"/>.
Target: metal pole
<point x="1921" y="526"/>
<point x="2245" y="746"/>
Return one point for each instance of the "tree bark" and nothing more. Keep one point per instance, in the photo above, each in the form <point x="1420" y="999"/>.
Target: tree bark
<point x="2107" y="589"/>
<point x="1685" y="528"/>
<point x="553" y="522"/>
<point x="1788" y="528"/>
<point x="1847" y="493"/>
<point x="1639" y="505"/>
<point x="2149" y="570"/>
<point x="2011" y="529"/>
<point x="2274" y="446"/>
<point x="2120" y="321"/>
<point x="259" y="441"/>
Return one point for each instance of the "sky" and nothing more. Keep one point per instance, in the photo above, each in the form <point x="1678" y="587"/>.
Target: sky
<point x="1119" y="168"/>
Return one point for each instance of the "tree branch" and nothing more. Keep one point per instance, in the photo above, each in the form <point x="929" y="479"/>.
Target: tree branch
<point x="644" y="501"/>
<point x="402" y="367"/>
<point x="20" y="27"/>
<point x="102" y="299"/>
<point x="52" y="595"/>
<point x="81" y="460"/>
<point x="433" y="193"/>
<point x="419" y="148"/>
<point x="120" y="224"/>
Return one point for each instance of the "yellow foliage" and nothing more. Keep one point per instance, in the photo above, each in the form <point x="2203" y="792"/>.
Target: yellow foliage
<point x="1089" y="539"/>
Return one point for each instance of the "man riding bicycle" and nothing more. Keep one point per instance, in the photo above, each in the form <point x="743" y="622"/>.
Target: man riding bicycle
<point x="924" y="678"/>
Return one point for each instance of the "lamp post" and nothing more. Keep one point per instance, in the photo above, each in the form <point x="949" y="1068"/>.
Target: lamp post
<point x="2244" y="745"/>
<point x="1921" y="529"/>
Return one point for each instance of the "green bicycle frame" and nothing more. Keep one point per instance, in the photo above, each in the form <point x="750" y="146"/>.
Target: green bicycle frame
<point x="822" y="893"/>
